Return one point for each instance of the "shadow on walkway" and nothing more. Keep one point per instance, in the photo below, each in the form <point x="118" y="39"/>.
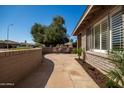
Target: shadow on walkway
<point x="39" y="77"/>
<point x="94" y="73"/>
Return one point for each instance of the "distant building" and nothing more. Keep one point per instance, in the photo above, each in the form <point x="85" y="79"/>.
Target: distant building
<point x="11" y="44"/>
<point x="25" y="44"/>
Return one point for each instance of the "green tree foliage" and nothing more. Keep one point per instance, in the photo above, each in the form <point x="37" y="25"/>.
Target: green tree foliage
<point x="37" y="32"/>
<point x="53" y="34"/>
<point x="58" y="21"/>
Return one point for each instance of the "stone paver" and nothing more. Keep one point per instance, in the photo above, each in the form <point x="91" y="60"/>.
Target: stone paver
<point x="59" y="71"/>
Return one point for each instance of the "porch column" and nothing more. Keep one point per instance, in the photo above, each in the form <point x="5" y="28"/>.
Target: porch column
<point x="79" y="41"/>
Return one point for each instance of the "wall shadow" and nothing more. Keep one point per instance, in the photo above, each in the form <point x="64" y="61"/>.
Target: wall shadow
<point x="39" y="77"/>
<point x="99" y="78"/>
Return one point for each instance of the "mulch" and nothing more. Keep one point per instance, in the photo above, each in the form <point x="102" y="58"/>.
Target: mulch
<point x="94" y="73"/>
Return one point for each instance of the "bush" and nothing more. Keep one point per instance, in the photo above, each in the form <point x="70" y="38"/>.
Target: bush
<point x="78" y="51"/>
<point x="116" y="74"/>
<point x="75" y="50"/>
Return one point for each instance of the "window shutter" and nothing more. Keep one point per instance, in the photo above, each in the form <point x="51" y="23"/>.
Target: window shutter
<point x="117" y="34"/>
<point x="104" y="35"/>
<point x="97" y="37"/>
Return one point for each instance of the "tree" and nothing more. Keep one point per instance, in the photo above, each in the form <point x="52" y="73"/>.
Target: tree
<point x="58" y="21"/>
<point x="53" y="34"/>
<point x="37" y="32"/>
<point x="60" y="31"/>
<point x="71" y="40"/>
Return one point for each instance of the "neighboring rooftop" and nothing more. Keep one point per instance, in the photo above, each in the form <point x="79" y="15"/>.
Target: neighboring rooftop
<point x="9" y="42"/>
<point x="14" y="42"/>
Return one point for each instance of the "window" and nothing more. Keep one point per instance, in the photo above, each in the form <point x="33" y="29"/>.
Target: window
<point x="97" y="36"/>
<point x="100" y="35"/>
<point x="117" y="33"/>
<point x="104" y="35"/>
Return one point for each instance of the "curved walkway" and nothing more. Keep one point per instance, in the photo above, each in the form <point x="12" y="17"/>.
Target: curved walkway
<point x="59" y="71"/>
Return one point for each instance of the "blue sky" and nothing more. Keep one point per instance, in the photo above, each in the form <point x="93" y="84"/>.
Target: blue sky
<point x="23" y="17"/>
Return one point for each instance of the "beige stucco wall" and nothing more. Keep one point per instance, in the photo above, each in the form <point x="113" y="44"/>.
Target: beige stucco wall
<point x="14" y="65"/>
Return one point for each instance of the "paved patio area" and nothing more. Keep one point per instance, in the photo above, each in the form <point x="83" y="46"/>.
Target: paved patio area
<point x="3" y="50"/>
<point x="59" y="71"/>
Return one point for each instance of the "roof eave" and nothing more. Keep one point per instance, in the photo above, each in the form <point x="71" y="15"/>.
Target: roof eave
<point x="82" y="18"/>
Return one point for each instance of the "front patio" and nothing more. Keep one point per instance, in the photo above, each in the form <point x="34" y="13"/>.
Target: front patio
<point x="58" y="71"/>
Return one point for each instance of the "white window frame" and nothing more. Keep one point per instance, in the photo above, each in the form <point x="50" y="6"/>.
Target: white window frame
<point x="109" y="18"/>
<point x="99" y="23"/>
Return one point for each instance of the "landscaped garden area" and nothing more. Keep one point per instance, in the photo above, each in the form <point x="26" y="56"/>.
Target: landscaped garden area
<point x="113" y="78"/>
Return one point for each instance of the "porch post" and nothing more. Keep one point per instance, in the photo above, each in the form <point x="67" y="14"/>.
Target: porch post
<point x="79" y="40"/>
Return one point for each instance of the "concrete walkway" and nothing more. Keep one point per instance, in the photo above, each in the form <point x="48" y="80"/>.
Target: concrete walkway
<point x="59" y="71"/>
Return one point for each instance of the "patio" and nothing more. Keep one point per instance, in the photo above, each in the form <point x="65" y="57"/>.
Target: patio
<point x="58" y="71"/>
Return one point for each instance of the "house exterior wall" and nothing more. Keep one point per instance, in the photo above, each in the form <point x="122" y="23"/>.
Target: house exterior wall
<point x="15" y="65"/>
<point x="99" y="60"/>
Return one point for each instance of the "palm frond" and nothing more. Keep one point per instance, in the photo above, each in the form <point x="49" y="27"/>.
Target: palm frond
<point x="117" y="58"/>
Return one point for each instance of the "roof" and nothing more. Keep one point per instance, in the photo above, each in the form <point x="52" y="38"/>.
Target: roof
<point x="8" y="41"/>
<point x="82" y="18"/>
<point x="91" y="15"/>
<point x="15" y="43"/>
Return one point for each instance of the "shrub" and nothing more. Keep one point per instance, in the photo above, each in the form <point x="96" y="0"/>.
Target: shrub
<point x="117" y="74"/>
<point x="78" y="51"/>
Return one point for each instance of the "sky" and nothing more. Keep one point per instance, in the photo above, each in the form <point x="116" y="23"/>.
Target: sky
<point x="24" y="16"/>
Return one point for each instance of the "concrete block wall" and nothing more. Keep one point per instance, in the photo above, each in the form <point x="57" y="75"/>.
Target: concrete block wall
<point x="99" y="61"/>
<point x="15" y="65"/>
<point x="48" y="50"/>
